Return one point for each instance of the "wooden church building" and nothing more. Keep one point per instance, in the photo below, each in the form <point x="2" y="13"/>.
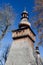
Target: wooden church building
<point x="22" y="50"/>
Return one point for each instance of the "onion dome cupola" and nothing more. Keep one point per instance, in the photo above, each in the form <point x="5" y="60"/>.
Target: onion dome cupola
<point x="24" y="20"/>
<point x="37" y="50"/>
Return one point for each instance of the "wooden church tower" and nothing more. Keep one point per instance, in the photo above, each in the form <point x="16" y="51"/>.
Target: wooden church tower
<point x="21" y="51"/>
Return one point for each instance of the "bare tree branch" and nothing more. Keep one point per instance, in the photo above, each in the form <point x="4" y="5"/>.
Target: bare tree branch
<point x="6" y="19"/>
<point x="38" y="19"/>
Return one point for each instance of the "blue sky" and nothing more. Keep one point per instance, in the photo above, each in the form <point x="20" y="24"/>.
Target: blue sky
<point x="18" y="6"/>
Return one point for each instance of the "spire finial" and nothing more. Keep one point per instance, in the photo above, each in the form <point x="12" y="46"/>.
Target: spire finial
<point x="25" y="9"/>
